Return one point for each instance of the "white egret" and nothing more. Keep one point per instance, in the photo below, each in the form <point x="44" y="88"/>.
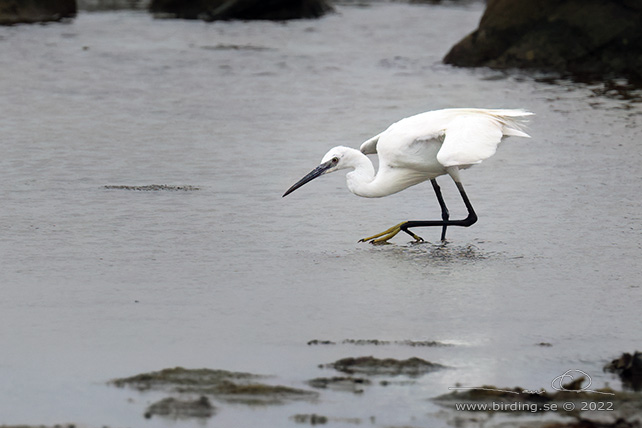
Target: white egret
<point x="420" y="148"/>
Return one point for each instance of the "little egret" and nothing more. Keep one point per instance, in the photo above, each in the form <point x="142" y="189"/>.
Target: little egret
<point x="420" y="148"/>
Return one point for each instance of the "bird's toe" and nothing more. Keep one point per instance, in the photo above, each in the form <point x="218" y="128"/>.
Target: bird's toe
<point x="380" y="242"/>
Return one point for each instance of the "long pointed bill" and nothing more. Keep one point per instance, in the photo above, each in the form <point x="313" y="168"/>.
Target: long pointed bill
<point x="316" y="172"/>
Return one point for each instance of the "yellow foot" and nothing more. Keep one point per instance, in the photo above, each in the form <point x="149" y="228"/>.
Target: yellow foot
<point x="383" y="237"/>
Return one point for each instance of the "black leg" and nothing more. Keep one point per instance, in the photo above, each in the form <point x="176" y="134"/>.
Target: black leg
<point x="444" y="209"/>
<point x="383" y="237"/>
<point x="472" y="216"/>
<point x="468" y="221"/>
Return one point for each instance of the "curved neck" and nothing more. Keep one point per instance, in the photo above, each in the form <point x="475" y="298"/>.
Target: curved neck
<point x="360" y="179"/>
<point x="363" y="181"/>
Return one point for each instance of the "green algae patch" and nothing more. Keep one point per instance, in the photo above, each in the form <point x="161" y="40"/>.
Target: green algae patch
<point x="340" y="383"/>
<point x="309" y="419"/>
<point x="371" y="366"/>
<point x="237" y="387"/>
<point x="153" y="188"/>
<point x="412" y="343"/>
<point x="259" y="393"/>
<point x="182" y="380"/>
<point x="175" y="408"/>
<point x="40" y="426"/>
<point x="379" y="342"/>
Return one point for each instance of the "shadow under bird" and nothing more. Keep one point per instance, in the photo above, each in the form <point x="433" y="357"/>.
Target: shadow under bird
<point x="420" y="148"/>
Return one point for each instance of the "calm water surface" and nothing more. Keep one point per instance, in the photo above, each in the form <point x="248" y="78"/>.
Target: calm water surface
<point x="101" y="283"/>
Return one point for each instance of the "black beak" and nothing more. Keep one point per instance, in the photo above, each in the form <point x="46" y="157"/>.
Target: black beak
<point x="316" y="172"/>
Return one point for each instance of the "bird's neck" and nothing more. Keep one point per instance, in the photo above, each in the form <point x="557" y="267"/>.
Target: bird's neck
<point x="360" y="179"/>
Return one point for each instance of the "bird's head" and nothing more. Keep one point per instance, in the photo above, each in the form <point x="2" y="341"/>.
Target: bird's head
<point x="334" y="160"/>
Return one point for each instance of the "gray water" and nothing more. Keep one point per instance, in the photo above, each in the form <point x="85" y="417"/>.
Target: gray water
<point x="99" y="283"/>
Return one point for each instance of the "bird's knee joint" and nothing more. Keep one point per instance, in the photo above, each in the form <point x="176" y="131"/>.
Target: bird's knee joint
<point x="470" y="220"/>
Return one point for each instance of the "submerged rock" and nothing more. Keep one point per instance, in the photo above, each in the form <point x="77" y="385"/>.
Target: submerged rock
<point x="259" y="393"/>
<point x="589" y="38"/>
<point x="387" y="366"/>
<point x="321" y="342"/>
<point x="40" y="426"/>
<point x="224" y="385"/>
<point x="311" y="419"/>
<point x="213" y="10"/>
<point x="177" y="409"/>
<point x="152" y="187"/>
<point x="30" y="11"/>
<point x="378" y="342"/>
<point x="179" y="378"/>
<point x="340" y="383"/>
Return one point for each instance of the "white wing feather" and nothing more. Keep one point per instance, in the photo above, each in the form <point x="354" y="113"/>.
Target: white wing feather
<point x="369" y="147"/>
<point x="469" y="135"/>
<point x="474" y="136"/>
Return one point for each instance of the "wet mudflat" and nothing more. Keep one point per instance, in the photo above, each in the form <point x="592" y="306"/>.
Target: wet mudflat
<point x="143" y="227"/>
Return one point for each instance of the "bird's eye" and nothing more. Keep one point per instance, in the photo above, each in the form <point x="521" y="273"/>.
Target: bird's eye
<point x="335" y="160"/>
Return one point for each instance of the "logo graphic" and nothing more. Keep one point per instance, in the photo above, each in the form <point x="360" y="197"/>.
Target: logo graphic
<point x="560" y="383"/>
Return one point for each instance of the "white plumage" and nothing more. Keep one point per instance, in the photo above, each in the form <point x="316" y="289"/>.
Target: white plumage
<point x="420" y="148"/>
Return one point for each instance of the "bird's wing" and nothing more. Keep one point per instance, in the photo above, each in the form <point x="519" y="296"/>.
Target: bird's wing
<point x="471" y="138"/>
<point x="369" y="147"/>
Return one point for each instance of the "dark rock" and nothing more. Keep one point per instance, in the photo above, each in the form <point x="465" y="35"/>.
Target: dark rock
<point x="377" y="342"/>
<point x="629" y="368"/>
<point x="590" y="38"/>
<point x="102" y="5"/>
<point x="371" y="366"/>
<point x="152" y="187"/>
<point x="176" y="408"/>
<point x="311" y="419"/>
<point x="340" y="383"/>
<point x="259" y="393"/>
<point x="30" y="11"/>
<point x="212" y="10"/>
<point x="237" y="387"/>
<point x="321" y="342"/>
<point x="182" y="379"/>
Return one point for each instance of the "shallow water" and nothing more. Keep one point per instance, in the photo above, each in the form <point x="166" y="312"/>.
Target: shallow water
<point x="99" y="282"/>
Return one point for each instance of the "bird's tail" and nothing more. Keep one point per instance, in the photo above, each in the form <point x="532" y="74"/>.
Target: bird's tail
<point x="513" y="121"/>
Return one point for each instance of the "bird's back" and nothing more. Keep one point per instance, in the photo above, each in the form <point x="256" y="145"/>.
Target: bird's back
<point x="462" y="136"/>
<point x="420" y="147"/>
<point x="438" y="122"/>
